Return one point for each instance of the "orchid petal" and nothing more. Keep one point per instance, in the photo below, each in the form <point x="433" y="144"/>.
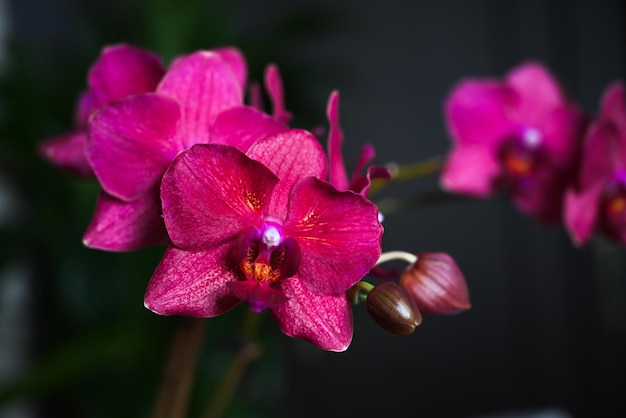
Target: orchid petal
<point x="132" y="141"/>
<point x="211" y="193"/>
<point x="85" y="106"/>
<point x="192" y="283"/>
<point x="204" y="86"/>
<point x="366" y="155"/>
<point x="581" y="212"/>
<point x="255" y="96"/>
<point x="122" y="70"/>
<point x="274" y="86"/>
<point x="613" y="105"/>
<point x="471" y="170"/>
<point x="539" y="93"/>
<point x="292" y="155"/>
<point x="325" y="321"/>
<point x="68" y="152"/>
<point x="562" y="130"/>
<point x="241" y="126"/>
<point x="476" y="112"/>
<point x="121" y="226"/>
<point x="604" y="153"/>
<point x="338" y="233"/>
<point x="235" y="60"/>
<point x="337" y="170"/>
<point x="541" y="195"/>
<point x="362" y="185"/>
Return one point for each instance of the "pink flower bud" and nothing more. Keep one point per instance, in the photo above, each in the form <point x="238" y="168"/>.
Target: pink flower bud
<point x="436" y="284"/>
<point x="393" y="308"/>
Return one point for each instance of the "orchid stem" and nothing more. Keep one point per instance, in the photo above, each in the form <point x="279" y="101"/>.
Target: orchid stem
<point x="418" y="169"/>
<point x="397" y="204"/>
<point x="358" y="292"/>
<point x="397" y="255"/>
<point x="407" y="172"/>
<point x="249" y="351"/>
<point x="176" y="385"/>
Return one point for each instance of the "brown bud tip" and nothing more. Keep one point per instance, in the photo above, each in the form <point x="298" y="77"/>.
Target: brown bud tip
<point x="436" y="284"/>
<point x="391" y="307"/>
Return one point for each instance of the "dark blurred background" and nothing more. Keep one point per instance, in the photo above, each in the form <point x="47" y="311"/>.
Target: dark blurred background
<point x="546" y="336"/>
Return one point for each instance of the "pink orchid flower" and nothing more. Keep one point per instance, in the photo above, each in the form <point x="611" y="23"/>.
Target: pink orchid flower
<point x="262" y="228"/>
<point x="119" y="71"/>
<point x="520" y="134"/>
<point x="598" y="200"/>
<point x="133" y="140"/>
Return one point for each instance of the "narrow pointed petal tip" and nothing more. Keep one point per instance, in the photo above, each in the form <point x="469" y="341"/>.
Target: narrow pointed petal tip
<point x="274" y="86"/>
<point x="337" y="170"/>
<point x="436" y="284"/>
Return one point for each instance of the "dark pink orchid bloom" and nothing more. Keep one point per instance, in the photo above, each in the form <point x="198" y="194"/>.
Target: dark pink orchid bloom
<point x="262" y="228"/>
<point x="119" y="71"/>
<point x="133" y="140"/>
<point x="598" y="200"/>
<point x="520" y="134"/>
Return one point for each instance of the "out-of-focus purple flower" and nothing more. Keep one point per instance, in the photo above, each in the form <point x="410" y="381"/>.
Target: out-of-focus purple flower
<point x="263" y="228"/>
<point x="436" y="284"/>
<point x="119" y="71"/>
<point x="338" y="175"/>
<point x="133" y="140"/>
<point x="520" y="134"/>
<point x="598" y="200"/>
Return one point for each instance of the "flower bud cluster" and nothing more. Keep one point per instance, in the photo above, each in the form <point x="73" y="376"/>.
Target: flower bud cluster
<point x="432" y="283"/>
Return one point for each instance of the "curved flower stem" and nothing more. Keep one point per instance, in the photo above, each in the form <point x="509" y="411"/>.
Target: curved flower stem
<point x="397" y="255"/>
<point x="249" y="351"/>
<point x="407" y="172"/>
<point x="358" y="292"/>
<point x="179" y="372"/>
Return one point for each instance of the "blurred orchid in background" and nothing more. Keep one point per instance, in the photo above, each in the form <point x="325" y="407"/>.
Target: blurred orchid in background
<point x="521" y="135"/>
<point x="597" y="200"/>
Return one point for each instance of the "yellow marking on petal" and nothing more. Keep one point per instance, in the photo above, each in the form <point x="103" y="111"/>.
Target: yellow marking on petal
<point x="253" y="201"/>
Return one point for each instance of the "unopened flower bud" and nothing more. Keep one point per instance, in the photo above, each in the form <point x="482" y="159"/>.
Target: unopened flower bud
<point x="436" y="284"/>
<point x="393" y="309"/>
